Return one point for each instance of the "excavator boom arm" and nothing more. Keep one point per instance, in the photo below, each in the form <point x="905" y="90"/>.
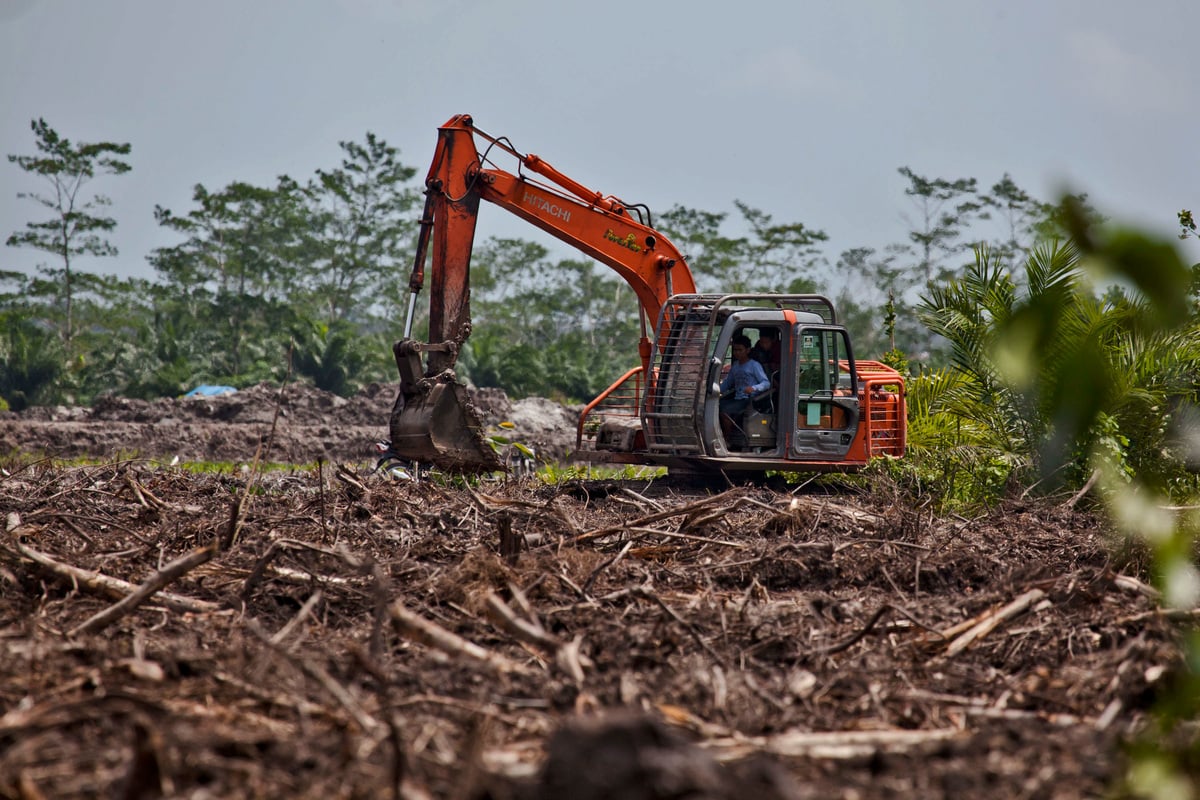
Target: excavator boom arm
<point x="597" y="225"/>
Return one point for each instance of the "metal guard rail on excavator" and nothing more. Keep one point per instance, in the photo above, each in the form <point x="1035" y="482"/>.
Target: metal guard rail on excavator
<point x="884" y="409"/>
<point x="615" y="401"/>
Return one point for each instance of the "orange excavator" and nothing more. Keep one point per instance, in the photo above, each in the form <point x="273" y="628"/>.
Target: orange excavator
<point x="824" y="411"/>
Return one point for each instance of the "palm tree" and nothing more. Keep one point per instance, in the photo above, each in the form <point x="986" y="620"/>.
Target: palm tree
<point x="1044" y="376"/>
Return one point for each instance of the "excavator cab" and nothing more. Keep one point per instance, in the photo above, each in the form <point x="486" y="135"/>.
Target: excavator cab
<point x="756" y="429"/>
<point x="811" y="410"/>
<point x="811" y="419"/>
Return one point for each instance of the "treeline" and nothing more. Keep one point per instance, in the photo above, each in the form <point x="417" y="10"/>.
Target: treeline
<point x="308" y="279"/>
<point x="311" y="276"/>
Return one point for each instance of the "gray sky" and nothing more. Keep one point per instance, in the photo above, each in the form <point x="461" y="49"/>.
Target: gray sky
<point x="804" y="110"/>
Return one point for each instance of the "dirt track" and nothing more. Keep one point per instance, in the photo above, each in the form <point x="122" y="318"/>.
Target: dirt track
<point x="337" y="635"/>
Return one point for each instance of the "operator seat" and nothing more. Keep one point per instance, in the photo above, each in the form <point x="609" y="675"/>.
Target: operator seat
<point x="765" y="403"/>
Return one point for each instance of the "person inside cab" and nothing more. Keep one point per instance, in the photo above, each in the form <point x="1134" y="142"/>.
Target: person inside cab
<point x="766" y="350"/>
<point x="746" y="378"/>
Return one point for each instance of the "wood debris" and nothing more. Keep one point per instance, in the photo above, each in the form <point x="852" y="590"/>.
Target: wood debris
<point x="164" y="631"/>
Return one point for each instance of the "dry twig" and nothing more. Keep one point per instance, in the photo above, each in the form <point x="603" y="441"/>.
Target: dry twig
<point x="991" y="619"/>
<point x="416" y="628"/>
<point x="163" y="577"/>
<point x="99" y="583"/>
<point x="315" y="671"/>
<point x="566" y="655"/>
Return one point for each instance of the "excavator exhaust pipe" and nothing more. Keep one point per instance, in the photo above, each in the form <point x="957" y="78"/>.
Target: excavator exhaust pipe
<point x="434" y="422"/>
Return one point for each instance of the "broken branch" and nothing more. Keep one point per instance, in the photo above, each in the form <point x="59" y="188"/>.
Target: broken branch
<point x="992" y="619"/>
<point x="167" y="575"/>
<point x="99" y="583"/>
<point x="418" y="629"/>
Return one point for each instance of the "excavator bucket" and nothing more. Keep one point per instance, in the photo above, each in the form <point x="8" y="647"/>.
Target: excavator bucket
<point x="442" y="428"/>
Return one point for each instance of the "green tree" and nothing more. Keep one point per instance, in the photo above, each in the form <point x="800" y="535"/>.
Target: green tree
<point x="1021" y="218"/>
<point x="1150" y="363"/>
<point x="359" y="237"/>
<point x="237" y="272"/>
<point x="242" y="240"/>
<point x="773" y="257"/>
<point x="967" y="428"/>
<point x="259" y="265"/>
<point x="870" y="280"/>
<point x="945" y="210"/>
<point x="780" y="258"/>
<point x="334" y="357"/>
<point x="76" y="226"/>
<point x="32" y="362"/>
<point x="1187" y="224"/>
<point x="1020" y="221"/>
<point x="157" y="351"/>
<point x="112" y="315"/>
<point x="1046" y="373"/>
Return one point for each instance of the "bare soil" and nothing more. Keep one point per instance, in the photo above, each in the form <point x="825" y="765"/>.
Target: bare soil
<point x="297" y="424"/>
<point x="330" y="632"/>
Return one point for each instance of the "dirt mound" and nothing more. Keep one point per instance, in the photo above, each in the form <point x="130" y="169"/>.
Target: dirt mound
<point x="298" y="424"/>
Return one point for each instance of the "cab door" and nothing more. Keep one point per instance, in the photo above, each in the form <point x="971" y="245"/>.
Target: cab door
<point x="826" y="393"/>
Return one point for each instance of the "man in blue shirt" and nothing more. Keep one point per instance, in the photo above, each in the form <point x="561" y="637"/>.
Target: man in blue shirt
<point x="746" y="378"/>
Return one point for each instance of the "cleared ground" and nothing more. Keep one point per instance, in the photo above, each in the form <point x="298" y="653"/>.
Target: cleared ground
<point x="328" y="632"/>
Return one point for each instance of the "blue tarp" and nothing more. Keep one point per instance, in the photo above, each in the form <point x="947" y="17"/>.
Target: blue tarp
<point x="204" y="390"/>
